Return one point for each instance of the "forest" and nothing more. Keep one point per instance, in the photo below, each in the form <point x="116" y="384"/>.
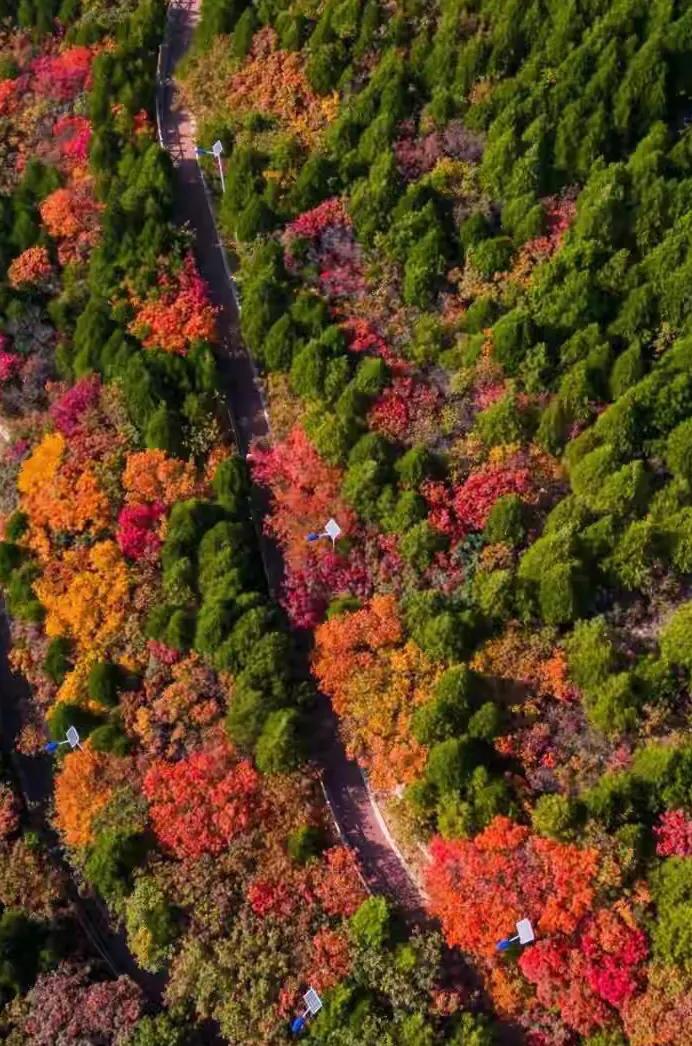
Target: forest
<point x="461" y="233"/>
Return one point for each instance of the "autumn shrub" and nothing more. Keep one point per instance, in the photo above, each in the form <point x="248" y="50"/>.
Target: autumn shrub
<point x="676" y="645"/>
<point x="507" y="520"/>
<point x="110" y="863"/>
<point x="672" y="892"/>
<point x="280" y="746"/>
<point x="305" y="843"/>
<point x="67" y="715"/>
<point x="554" y="816"/>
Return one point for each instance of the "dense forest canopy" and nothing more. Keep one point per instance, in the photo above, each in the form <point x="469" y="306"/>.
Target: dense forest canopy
<point x="461" y="230"/>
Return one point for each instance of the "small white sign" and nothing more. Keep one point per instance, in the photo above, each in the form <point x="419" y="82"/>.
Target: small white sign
<point x="525" y="931"/>
<point x="312" y="1001"/>
<point x="217" y="148"/>
<point x="332" y="529"/>
<point x="72" y="737"/>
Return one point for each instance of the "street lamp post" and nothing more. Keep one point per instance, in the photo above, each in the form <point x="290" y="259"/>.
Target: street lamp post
<point x="313" y="1005"/>
<point x="524" y="935"/>
<point x="215" y="151"/>
<point x="331" y="530"/>
<point x="71" y="739"/>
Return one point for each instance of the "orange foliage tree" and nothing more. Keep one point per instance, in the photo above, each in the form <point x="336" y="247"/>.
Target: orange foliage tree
<point x="336" y="882"/>
<point x="71" y="217"/>
<point x="59" y="494"/>
<point x="330" y="959"/>
<point x="530" y="659"/>
<point x="662" y="1014"/>
<point x="479" y="888"/>
<point x="82" y="789"/>
<point x="151" y="475"/>
<point x="175" y="718"/>
<point x="177" y="313"/>
<point x="375" y="681"/>
<point x="31" y="268"/>
<point x="274" y="82"/>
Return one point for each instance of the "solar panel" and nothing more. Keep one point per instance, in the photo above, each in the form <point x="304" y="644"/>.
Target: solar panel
<point x="312" y="1001"/>
<point x="72" y="736"/>
<point x="525" y="931"/>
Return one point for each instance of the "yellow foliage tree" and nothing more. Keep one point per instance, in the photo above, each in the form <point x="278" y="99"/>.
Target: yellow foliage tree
<point x="85" y="595"/>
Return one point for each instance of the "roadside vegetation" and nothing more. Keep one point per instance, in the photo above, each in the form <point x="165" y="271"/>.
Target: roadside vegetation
<point x="463" y="235"/>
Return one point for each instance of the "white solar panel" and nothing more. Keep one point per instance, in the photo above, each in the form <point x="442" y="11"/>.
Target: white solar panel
<point x="72" y="736"/>
<point x="312" y="1001"/>
<point x="525" y="931"/>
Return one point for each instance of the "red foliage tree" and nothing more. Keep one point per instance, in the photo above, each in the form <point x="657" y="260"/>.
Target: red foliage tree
<point x="479" y="888"/>
<point x="330" y="961"/>
<point x="332" y="248"/>
<point x="10" y="365"/>
<point x="364" y="338"/>
<point x="560" y="976"/>
<point x="305" y="490"/>
<point x="199" y="803"/>
<point x="8" y="92"/>
<point x="68" y="410"/>
<point x="336" y="882"/>
<point x="674" y="834"/>
<point x="602" y="965"/>
<point x="403" y="407"/>
<point x="136" y="534"/>
<point x="72" y="135"/>
<point x="64" y="1007"/>
<point x="416" y="156"/>
<point x="308" y="590"/>
<point x="315" y="222"/>
<point x="614" y="951"/>
<point x="271" y="897"/>
<point x="469" y="506"/>
<point x="63" y="76"/>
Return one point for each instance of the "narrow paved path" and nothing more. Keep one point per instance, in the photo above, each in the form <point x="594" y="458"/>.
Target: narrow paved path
<point x="348" y="796"/>
<point x="34" y="776"/>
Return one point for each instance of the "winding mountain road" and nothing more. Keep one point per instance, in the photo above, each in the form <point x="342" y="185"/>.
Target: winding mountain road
<point x="357" y="818"/>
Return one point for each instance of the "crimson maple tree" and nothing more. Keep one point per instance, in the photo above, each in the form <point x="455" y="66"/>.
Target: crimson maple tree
<point x="479" y="888"/>
<point x="197" y="804"/>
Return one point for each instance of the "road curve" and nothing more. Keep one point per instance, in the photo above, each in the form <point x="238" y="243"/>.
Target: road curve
<point x="348" y="796"/>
